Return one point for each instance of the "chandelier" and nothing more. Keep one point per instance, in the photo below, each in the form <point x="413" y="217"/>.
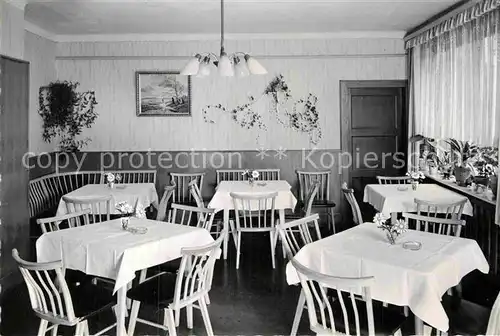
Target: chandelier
<point x="238" y="63"/>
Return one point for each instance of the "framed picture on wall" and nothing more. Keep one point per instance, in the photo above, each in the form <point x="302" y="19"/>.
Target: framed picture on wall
<point x="162" y="93"/>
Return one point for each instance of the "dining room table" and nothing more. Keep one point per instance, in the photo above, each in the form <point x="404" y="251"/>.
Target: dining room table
<point x="222" y="199"/>
<point x="414" y="278"/>
<point x="108" y="250"/>
<point x="133" y="193"/>
<point x="391" y="199"/>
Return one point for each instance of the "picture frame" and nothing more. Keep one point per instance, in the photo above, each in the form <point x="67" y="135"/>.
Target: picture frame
<point x="162" y="93"/>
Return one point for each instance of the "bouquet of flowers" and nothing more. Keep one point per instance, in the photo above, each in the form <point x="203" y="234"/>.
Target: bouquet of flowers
<point x="112" y="178"/>
<point x="127" y="210"/>
<point x="252" y="175"/>
<point x="416" y="177"/>
<point x="393" y="231"/>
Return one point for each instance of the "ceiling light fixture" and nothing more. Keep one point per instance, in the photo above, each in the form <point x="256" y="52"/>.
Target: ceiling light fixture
<point x="238" y="63"/>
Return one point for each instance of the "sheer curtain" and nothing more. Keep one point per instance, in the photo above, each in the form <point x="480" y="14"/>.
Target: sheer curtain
<point x="455" y="83"/>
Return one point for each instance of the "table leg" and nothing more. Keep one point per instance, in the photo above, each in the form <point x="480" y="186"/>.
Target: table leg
<point x="282" y="222"/>
<point x="226" y="227"/>
<point x="121" y="311"/>
<point x="419" y="326"/>
<point x="394" y="217"/>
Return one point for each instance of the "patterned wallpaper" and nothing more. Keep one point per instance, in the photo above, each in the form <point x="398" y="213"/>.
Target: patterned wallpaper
<point x="308" y="66"/>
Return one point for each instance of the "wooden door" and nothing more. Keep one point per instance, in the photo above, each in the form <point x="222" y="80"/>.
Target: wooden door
<point x="373" y="115"/>
<point x="14" y="228"/>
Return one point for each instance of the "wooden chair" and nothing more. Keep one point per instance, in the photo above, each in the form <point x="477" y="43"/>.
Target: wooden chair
<point x="443" y="226"/>
<point x="132" y="176"/>
<point x="164" y="206"/>
<point x="70" y="220"/>
<point x="345" y="315"/>
<point x="306" y="208"/>
<point x="218" y="221"/>
<point x="181" y="182"/>
<point x="394" y="179"/>
<point x="172" y="292"/>
<point x="191" y="216"/>
<point x="356" y="212"/>
<point x="100" y="207"/>
<point x="448" y="210"/>
<point x="237" y="175"/>
<point x="254" y="213"/>
<point x="322" y="200"/>
<point x="59" y="304"/>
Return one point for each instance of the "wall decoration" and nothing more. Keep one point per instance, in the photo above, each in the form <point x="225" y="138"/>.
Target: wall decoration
<point x="162" y="93"/>
<point x="302" y="117"/>
<point x="65" y="113"/>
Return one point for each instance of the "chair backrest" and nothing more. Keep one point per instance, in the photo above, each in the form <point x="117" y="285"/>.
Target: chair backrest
<point x="237" y="175"/>
<point x="307" y="179"/>
<point x="444" y="226"/>
<point x="298" y="233"/>
<point x="394" y="179"/>
<point x="308" y="201"/>
<point x="254" y="212"/>
<point x="100" y="207"/>
<point x="356" y="212"/>
<point x="70" y="220"/>
<point x="163" y="207"/>
<point x="181" y="182"/>
<point x="323" y="319"/>
<point x="48" y="291"/>
<point x="450" y="210"/>
<point x="194" y="278"/>
<point x="196" y="194"/>
<point x="131" y="176"/>
<point x="191" y="216"/>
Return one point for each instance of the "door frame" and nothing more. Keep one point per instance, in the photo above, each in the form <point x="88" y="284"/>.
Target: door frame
<point x="345" y="116"/>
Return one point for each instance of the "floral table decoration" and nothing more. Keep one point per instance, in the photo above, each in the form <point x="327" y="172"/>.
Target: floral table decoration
<point x="416" y="178"/>
<point x="392" y="231"/>
<point x="129" y="212"/>
<point x="251" y="175"/>
<point x="112" y="178"/>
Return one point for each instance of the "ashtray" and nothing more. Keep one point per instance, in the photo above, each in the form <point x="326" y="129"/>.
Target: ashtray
<point x="137" y="230"/>
<point x="412" y="245"/>
<point x="262" y="184"/>
<point x="402" y="188"/>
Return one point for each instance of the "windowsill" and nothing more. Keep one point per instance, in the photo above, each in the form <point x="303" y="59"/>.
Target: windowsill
<point x="487" y="196"/>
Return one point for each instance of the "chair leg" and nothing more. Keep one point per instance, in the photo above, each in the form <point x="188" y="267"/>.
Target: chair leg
<point x="42" y="329"/>
<point x="238" y="245"/>
<point x="406" y="312"/>
<point x="54" y="329"/>
<point x="79" y="329"/>
<point x="207" y="299"/>
<point x="332" y="215"/>
<point x="133" y="317"/>
<point x="177" y="314"/>
<point x="271" y="237"/>
<point x="206" y="318"/>
<point x="298" y="313"/>
<point x="86" y="330"/>
<point x="189" y="316"/>
<point x="170" y="322"/>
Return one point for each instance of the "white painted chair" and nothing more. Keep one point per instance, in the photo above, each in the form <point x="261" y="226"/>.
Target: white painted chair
<point x="437" y="225"/>
<point x="188" y="289"/>
<point x="218" y="221"/>
<point x="131" y="176"/>
<point x="254" y="213"/>
<point x="163" y="207"/>
<point x="356" y="212"/>
<point x="344" y="315"/>
<point x="307" y="206"/>
<point x="58" y="304"/>
<point x="237" y="175"/>
<point x="322" y="200"/>
<point x="394" y="179"/>
<point x="448" y="210"/>
<point x="191" y="216"/>
<point x="70" y="220"/>
<point x="100" y="207"/>
<point x="181" y="182"/>
<point x="295" y="235"/>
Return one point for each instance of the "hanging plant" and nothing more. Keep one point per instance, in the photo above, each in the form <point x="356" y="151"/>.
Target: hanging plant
<point x="65" y="113"/>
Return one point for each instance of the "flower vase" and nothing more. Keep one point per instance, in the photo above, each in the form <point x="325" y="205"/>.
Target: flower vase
<point x="414" y="185"/>
<point x="391" y="237"/>
<point x="125" y="222"/>
<point x="111" y="185"/>
<point x="251" y="181"/>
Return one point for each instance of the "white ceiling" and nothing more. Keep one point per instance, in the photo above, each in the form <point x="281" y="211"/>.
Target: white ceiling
<point x="242" y="17"/>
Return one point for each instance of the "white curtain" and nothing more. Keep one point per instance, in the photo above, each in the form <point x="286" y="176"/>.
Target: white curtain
<point x="455" y="82"/>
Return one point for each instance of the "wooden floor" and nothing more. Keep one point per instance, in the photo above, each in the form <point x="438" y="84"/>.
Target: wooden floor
<point x="253" y="300"/>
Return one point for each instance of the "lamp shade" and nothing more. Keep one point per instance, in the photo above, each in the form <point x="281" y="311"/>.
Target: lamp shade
<point x="192" y="66"/>
<point x="204" y="68"/>
<point x="240" y="67"/>
<point x="225" y="65"/>
<point x="254" y="66"/>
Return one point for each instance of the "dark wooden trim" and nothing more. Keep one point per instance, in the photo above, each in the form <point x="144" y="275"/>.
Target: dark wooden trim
<point x="14" y="59"/>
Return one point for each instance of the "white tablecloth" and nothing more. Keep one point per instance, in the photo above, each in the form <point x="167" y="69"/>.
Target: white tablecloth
<point x="386" y="198"/>
<point x="129" y="192"/>
<point x="108" y="251"/>
<point x="222" y="198"/>
<point x="416" y="279"/>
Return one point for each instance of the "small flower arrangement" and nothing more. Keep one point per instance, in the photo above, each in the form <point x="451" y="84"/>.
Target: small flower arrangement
<point x="127" y="210"/>
<point x="252" y="175"/>
<point x="393" y="231"/>
<point x="416" y="177"/>
<point x="112" y="178"/>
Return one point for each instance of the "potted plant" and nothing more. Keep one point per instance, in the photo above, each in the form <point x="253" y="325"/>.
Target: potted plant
<point x="65" y="113"/>
<point x="463" y="155"/>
